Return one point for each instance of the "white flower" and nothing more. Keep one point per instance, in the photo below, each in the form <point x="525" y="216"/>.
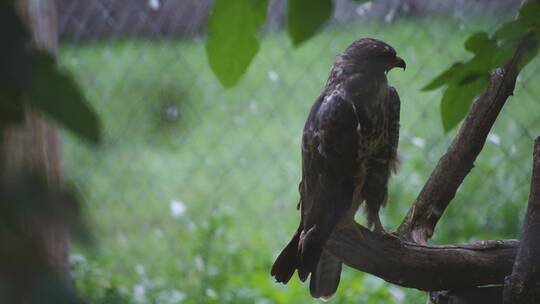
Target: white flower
<point x="154" y="4"/>
<point x="139" y="293"/>
<point x="75" y="258"/>
<point x="211" y="293"/>
<point x="199" y="263"/>
<point x="419" y="142"/>
<point x="178" y="209"/>
<point x="273" y="76"/>
<point x="176" y="296"/>
<point x="362" y="9"/>
<point x="494" y="139"/>
<point x="397" y="294"/>
<point x="170" y="296"/>
<point x="253" y="106"/>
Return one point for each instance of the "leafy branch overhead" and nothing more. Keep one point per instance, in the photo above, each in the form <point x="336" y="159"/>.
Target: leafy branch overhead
<point x="232" y="31"/>
<point x="466" y="80"/>
<point x="233" y="44"/>
<point x="26" y="72"/>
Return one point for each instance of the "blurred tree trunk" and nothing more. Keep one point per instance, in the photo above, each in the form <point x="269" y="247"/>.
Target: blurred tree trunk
<point x="35" y="145"/>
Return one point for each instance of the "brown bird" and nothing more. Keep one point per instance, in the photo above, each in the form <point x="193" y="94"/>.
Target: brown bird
<point x="349" y="148"/>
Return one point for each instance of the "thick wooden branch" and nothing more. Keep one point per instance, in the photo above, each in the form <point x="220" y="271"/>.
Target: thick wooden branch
<point x="479" y="295"/>
<point x="429" y="268"/>
<point x="519" y="288"/>
<point x="458" y="161"/>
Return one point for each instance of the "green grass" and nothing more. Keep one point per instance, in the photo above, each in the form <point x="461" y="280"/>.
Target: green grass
<point x="232" y="158"/>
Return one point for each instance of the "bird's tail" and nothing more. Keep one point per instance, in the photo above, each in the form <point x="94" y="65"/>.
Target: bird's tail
<point x="302" y="254"/>
<point x="287" y="261"/>
<point x="325" y="278"/>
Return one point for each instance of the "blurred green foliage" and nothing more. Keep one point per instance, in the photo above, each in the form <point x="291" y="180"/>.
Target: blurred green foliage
<point x="195" y="210"/>
<point x="28" y="72"/>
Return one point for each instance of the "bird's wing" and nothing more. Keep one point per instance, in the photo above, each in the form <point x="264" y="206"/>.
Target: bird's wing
<point x="394" y="117"/>
<point x="329" y="154"/>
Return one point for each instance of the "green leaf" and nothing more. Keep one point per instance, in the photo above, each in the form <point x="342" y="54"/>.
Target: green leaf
<point x="530" y="14"/>
<point x="511" y="31"/>
<point x="306" y="17"/>
<point x="479" y="43"/>
<point x="58" y="96"/>
<point x="445" y="77"/>
<point x="485" y="58"/>
<point x="232" y="37"/>
<point x="457" y="99"/>
<point x="530" y="53"/>
<point x="465" y="80"/>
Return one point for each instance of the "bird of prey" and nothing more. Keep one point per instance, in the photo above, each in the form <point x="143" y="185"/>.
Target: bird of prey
<point x="349" y="148"/>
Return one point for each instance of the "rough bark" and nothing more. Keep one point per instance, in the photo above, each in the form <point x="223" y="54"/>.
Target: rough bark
<point x="519" y="288"/>
<point x="34" y="146"/>
<point x="480" y="295"/>
<point x="429" y="268"/>
<point x="458" y="161"/>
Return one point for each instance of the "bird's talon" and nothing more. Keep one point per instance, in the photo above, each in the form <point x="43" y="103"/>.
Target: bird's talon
<point x="392" y="235"/>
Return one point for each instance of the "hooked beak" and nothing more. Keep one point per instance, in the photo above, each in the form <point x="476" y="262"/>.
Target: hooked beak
<point x="399" y="63"/>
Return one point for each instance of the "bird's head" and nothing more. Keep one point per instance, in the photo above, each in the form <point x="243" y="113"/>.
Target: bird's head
<point x="373" y="55"/>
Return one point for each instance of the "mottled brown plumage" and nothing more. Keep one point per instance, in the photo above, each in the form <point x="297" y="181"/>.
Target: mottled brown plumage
<point x="349" y="148"/>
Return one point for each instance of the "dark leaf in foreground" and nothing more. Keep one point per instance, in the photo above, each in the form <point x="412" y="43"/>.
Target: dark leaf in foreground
<point x="306" y="17"/>
<point x="57" y="95"/>
<point x="530" y="14"/>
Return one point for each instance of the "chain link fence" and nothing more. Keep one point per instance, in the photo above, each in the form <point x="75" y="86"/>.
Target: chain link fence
<point x="193" y="193"/>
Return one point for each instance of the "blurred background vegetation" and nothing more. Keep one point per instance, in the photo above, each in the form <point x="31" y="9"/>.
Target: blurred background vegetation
<point x="193" y="192"/>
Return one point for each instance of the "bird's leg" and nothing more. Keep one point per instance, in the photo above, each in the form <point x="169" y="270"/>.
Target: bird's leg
<point x="378" y="226"/>
<point x="348" y="221"/>
<point x="379" y="229"/>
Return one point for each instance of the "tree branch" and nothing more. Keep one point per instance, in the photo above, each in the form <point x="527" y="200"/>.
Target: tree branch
<point x="477" y="295"/>
<point x="519" y="288"/>
<point x="429" y="268"/>
<point x="458" y="161"/>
